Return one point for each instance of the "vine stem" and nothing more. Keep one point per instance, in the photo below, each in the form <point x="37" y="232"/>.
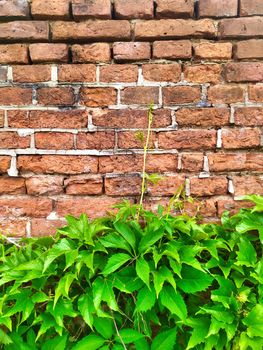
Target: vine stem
<point x="118" y="333"/>
<point x="11" y="241"/>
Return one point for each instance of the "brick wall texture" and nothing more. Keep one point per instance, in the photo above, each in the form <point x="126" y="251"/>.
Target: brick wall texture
<point x="76" y="79"/>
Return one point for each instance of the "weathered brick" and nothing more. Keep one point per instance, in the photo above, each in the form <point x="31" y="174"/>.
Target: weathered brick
<point x="187" y="139"/>
<point x="13" y="54"/>
<point x="229" y="204"/>
<point x="218" y="8"/>
<point x="5" y="162"/>
<point x="24" y="31"/>
<point x="166" y="186"/>
<point x="241" y="27"/>
<point x="97" y="9"/>
<point x="226" y="94"/>
<point x="10" y="139"/>
<point x="47" y="119"/>
<point x="235" y="161"/>
<point x="255" y="93"/>
<point x="162" y="72"/>
<point x="203" y="117"/>
<point x="51" y="164"/>
<point x="127" y="185"/>
<point x="2" y="119"/>
<point x="131" y="51"/>
<point x="45" y="53"/>
<point x="25" y="206"/>
<point x="203" y="73"/>
<point x="61" y="96"/>
<point x="44" y="185"/>
<point x="241" y="138"/>
<point x="251" y="7"/>
<point x="172" y="49"/>
<point x="131" y="139"/>
<point x="213" y="51"/>
<point x="130" y="118"/>
<point x="181" y="95"/>
<point x="245" y="185"/>
<point x="140" y="95"/>
<point x="206" y="208"/>
<point x="192" y="161"/>
<point x="12" y="185"/>
<point x="98" y="97"/>
<point x="249" y="116"/>
<point x="133" y="9"/>
<point x="84" y="185"/>
<point x="15" y="96"/>
<point x="55" y="9"/>
<point x="97" y="52"/>
<point x="43" y="227"/>
<point x="13" y="227"/>
<point x="3" y="74"/>
<point x="174" y="8"/>
<point x="96" y="140"/>
<point x="54" y="140"/>
<point x="14" y="9"/>
<point x="31" y="74"/>
<point x="244" y="71"/>
<point x="216" y="185"/>
<point x="71" y="73"/>
<point x="174" y="28"/>
<point x="247" y="49"/>
<point x="91" y="30"/>
<point x="115" y="73"/>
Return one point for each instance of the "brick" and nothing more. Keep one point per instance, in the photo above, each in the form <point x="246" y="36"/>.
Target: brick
<point x="91" y="30"/>
<point x="128" y="9"/>
<point x="249" y="116"/>
<point x="130" y="118"/>
<point x="218" y="8"/>
<point x="241" y="138"/>
<point x="24" y="31"/>
<point x="226" y="94"/>
<point x="162" y="72"/>
<point x="166" y="186"/>
<point x="96" y="140"/>
<point x="115" y="73"/>
<point x="48" y="119"/>
<point x="211" y="186"/>
<point x="31" y="74"/>
<point x="172" y="49"/>
<point x="5" y="162"/>
<point x="244" y="71"/>
<point x="206" y="117"/>
<point x="213" y="51"/>
<point x="84" y="185"/>
<point x="51" y="164"/>
<point x="43" y="227"/>
<point x="98" y="97"/>
<point x="245" y="185"/>
<point x="92" y="206"/>
<point x="187" y="139"/>
<point x="127" y="185"/>
<point x="192" y="162"/>
<point x="248" y="49"/>
<point x="48" y="53"/>
<point x="255" y="93"/>
<point x="131" y="139"/>
<point x="15" y="96"/>
<point x="25" y="206"/>
<point x="2" y="119"/>
<point x="71" y="73"/>
<point x="14" y="9"/>
<point x="174" y="8"/>
<point x="174" y="28"/>
<point x="12" y="185"/>
<point x="206" y="208"/>
<point x="97" y="9"/>
<point x="140" y="95"/>
<point x="181" y="95"/>
<point x="13" y="54"/>
<point x="54" y="140"/>
<point x="61" y="96"/>
<point x="44" y="185"/>
<point x="203" y="73"/>
<point x="98" y="52"/>
<point x="229" y="204"/>
<point x="13" y="228"/>
<point x="10" y="139"/>
<point x="131" y="51"/>
<point x="241" y="27"/>
<point x="235" y="162"/>
<point x="251" y="7"/>
<point x="55" y="9"/>
<point x="3" y="74"/>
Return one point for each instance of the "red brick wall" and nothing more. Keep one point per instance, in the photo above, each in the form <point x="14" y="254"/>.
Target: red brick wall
<point x="76" y="78"/>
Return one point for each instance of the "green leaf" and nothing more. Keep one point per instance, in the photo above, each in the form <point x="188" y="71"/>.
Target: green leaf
<point x="102" y="291"/>
<point x="194" y="280"/>
<point x="126" y="233"/>
<point x="145" y="300"/>
<point x="113" y="240"/>
<point x="63" y="286"/>
<point x="254" y="321"/>
<point x="246" y="343"/>
<point x="174" y="302"/>
<point x="129" y="335"/>
<point x="199" y="333"/>
<point x="246" y="255"/>
<point x="143" y="270"/>
<point x="86" y="308"/>
<point x="114" y="262"/>
<point x="60" y="310"/>
<point x="149" y="239"/>
<point x="164" y="340"/>
<point x="104" y="326"/>
<point x="91" y="342"/>
<point x="57" y="343"/>
<point x="56" y="251"/>
<point x="4" y="338"/>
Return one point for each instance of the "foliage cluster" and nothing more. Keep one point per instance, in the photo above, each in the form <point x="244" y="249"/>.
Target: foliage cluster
<point x="159" y="283"/>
